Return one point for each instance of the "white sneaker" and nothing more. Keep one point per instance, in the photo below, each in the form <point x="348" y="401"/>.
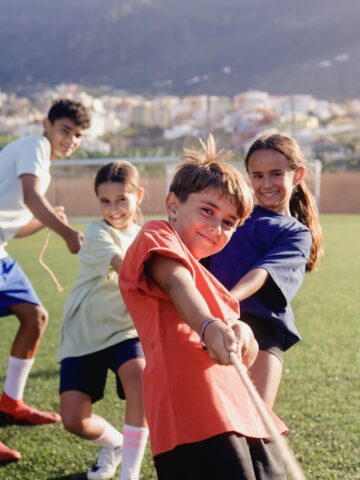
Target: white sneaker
<point x="107" y="460"/>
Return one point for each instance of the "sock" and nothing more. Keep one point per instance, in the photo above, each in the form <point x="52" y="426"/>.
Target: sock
<point x="16" y="377"/>
<point x="135" y="439"/>
<point x="110" y="438"/>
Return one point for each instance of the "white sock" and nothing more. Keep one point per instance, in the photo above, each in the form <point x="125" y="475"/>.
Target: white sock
<point x="135" y="439"/>
<point x="17" y="374"/>
<point x="110" y="438"/>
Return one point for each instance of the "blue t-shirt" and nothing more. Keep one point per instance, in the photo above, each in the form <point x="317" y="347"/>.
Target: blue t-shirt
<point x="281" y="245"/>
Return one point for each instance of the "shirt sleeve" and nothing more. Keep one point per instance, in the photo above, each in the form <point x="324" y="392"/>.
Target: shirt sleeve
<point x="285" y="264"/>
<point x="150" y="241"/>
<point x="98" y="249"/>
<point x="33" y="156"/>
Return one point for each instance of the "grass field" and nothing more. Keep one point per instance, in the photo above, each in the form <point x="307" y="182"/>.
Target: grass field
<point x="319" y="397"/>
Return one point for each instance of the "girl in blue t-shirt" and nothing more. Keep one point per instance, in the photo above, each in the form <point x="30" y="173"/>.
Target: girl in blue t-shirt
<point x="264" y="263"/>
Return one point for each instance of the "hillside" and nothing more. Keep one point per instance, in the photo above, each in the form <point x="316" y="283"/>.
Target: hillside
<point x="184" y="47"/>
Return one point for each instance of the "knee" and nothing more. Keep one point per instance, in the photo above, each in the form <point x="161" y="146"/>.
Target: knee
<point x="73" y="424"/>
<point x="39" y="320"/>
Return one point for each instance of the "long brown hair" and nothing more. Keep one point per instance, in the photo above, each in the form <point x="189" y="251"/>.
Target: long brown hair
<point x="302" y="202"/>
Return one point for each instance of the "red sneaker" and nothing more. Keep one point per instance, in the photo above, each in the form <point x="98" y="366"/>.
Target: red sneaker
<point x="7" y="455"/>
<point x="21" y="412"/>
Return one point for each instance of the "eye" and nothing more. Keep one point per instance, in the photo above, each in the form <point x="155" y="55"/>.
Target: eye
<point x="207" y="210"/>
<point x="230" y="224"/>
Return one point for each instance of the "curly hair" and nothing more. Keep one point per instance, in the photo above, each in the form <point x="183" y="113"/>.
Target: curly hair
<point x="75" y="111"/>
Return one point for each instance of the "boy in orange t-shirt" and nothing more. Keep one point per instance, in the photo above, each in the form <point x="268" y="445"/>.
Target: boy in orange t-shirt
<point x="202" y="422"/>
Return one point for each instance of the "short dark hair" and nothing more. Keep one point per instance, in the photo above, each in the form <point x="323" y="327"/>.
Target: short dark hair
<point x="75" y="111"/>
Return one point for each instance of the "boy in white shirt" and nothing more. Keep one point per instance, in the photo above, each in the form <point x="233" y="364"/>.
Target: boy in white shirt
<point x="24" y="209"/>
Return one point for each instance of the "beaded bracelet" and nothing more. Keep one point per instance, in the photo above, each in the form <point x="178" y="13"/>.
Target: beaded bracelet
<point x="203" y="329"/>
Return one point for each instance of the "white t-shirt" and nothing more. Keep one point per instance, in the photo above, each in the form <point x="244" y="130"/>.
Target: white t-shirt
<point x="27" y="155"/>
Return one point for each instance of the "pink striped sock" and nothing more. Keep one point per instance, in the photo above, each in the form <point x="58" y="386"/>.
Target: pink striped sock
<point x="135" y="439"/>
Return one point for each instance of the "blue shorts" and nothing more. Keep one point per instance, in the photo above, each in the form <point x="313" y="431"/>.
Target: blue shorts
<point x="87" y="374"/>
<point x="270" y="339"/>
<point x="15" y="287"/>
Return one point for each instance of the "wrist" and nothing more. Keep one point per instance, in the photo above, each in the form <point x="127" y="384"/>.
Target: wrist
<point x="203" y="329"/>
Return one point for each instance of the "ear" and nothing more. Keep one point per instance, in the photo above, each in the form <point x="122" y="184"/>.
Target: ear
<point x="299" y="175"/>
<point x="140" y="195"/>
<point x="172" y="203"/>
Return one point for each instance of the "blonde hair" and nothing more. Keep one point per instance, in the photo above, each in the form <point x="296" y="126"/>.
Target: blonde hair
<point x="208" y="168"/>
<point x="302" y="202"/>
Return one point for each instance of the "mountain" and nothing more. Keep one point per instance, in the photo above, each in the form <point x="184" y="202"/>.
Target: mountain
<point x="184" y="47"/>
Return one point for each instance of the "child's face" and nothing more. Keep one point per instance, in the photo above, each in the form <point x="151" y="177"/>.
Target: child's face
<point x="273" y="180"/>
<point x="205" y="222"/>
<point x="64" y="136"/>
<point x="117" y="204"/>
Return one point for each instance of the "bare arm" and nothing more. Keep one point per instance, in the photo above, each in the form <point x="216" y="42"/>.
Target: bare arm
<point x="32" y="227"/>
<point x="249" y="284"/>
<point x="175" y="279"/>
<point x="35" y="225"/>
<point x="116" y="262"/>
<point x="45" y="214"/>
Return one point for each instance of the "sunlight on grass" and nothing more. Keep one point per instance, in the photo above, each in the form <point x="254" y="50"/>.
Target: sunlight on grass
<point x="319" y="397"/>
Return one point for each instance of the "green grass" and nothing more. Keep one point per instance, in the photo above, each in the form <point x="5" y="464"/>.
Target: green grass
<point x="319" y="398"/>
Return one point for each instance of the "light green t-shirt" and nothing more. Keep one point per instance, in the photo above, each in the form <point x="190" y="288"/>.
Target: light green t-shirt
<point x="95" y="316"/>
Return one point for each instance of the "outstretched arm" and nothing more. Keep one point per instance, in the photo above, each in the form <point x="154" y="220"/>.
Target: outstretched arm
<point x="220" y="339"/>
<point x="249" y="283"/>
<point x="35" y="225"/>
<point x="45" y="214"/>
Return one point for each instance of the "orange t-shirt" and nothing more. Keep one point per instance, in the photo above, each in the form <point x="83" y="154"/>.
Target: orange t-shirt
<point x="188" y="397"/>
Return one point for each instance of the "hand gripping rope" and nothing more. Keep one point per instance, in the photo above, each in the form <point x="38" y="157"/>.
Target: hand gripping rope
<point x="279" y="441"/>
<point x="59" y="287"/>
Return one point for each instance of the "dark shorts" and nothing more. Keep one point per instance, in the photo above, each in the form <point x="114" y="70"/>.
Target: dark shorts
<point x="15" y="287"/>
<point x="228" y="456"/>
<point x="269" y="338"/>
<point x="87" y="374"/>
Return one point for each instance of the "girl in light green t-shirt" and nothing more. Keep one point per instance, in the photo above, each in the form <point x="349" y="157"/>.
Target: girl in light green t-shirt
<point x="98" y="333"/>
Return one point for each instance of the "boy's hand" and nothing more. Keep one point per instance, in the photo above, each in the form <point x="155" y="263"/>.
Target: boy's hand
<point x="248" y="347"/>
<point x="234" y="336"/>
<point x="73" y="240"/>
<point x="220" y="339"/>
<point x="60" y="213"/>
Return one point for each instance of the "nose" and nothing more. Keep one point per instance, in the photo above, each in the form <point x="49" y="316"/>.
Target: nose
<point x="267" y="181"/>
<point x="215" y="226"/>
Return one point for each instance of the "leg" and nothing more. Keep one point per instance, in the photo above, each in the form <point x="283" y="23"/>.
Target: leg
<point x="135" y="430"/>
<point x="77" y="416"/>
<point x="33" y="321"/>
<point x="266" y="374"/>
<point x="130" y="374"/>
<point x="82" y="382"/>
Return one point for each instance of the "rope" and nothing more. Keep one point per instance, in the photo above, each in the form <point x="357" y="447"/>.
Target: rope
<point x="279" y="441"/>
<point x="59" y="287"/>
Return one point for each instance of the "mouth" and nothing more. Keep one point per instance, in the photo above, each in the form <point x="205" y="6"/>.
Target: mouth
<point x="208" y="240"/>
<point x="269" y="194"/>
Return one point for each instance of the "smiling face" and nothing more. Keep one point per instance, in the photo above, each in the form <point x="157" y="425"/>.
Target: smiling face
<point x="118" y="204"/>
<point x="273" y="180"/>
<point x="204" y="222"/>
<point x="64" y="136"/>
